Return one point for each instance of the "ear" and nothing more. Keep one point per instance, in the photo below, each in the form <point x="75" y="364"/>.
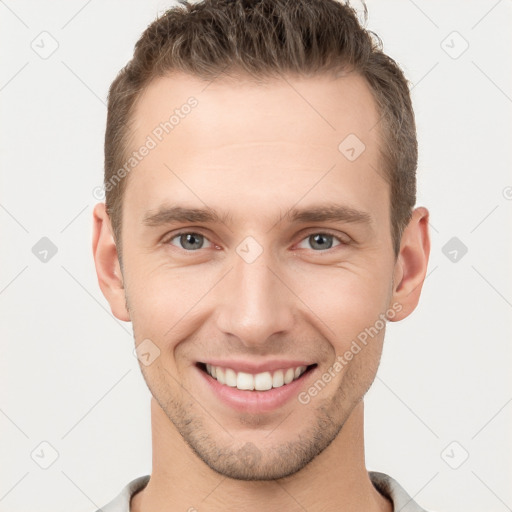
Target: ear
<point x="107" y="264"/>
<point x="411" y="264"/>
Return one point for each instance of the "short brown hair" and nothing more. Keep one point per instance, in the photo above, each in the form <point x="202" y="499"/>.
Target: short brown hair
<point x="267" y="38"/>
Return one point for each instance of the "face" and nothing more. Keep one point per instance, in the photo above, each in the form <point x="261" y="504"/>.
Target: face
<point x="257" y="249"/>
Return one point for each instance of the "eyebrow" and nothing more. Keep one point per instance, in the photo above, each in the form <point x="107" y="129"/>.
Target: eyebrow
<point x="321" y="213"/>
<point x="172" y="214"/>
<point x="329" y="213"/>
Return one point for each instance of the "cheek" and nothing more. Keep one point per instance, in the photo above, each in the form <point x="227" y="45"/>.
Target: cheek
<point x="344" y="300"/>
<point x="361" y="370"/>
<point x="164" y="301"/>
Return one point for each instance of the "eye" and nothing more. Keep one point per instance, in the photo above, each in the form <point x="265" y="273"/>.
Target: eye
<point x="321" y="241"/>
<point x="189" y="241"/>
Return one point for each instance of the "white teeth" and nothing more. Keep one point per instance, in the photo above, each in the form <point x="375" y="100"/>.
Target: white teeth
<point x="278" y="379"/>
<point x="220" y="375"/>
<point x="289" y="375"/>
<point x="244" y="381"/>
<point x="299" y="371"/>
<point x="263" y="381"/>
<point x="259" y="382"/>
<point x="230" y="377"/>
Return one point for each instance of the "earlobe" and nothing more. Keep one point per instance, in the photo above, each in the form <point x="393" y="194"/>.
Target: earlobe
<point x="411" y="265"/>
<point x="108" y="270"/>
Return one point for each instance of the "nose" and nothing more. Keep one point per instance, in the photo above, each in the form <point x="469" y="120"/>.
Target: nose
<point x="254" y="302"/>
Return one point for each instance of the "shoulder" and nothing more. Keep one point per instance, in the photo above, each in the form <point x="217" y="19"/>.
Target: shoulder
<point x="121" y="503"/>
<point x="390" y="488"/>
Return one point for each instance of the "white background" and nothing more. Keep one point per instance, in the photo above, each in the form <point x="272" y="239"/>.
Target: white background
<point x="68" y="374"/>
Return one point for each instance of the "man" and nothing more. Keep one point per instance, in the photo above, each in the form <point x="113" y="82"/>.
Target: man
<point x="259" y="231"/>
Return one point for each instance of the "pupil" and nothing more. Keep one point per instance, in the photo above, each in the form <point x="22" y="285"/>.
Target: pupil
<point x="319" y="241"/>
<point x="191" y="241"/>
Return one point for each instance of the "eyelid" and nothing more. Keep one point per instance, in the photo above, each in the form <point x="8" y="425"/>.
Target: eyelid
<point x="184" y="231"/>
<point x="328" y="232"/>
<point x="312" y="231"/>
<point x="166" y="240"/>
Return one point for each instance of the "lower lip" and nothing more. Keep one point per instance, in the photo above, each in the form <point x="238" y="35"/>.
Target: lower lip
<point x="255" y="401"/>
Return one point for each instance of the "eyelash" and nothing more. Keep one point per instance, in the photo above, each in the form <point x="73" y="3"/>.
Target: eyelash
<point x="328" y="233"/>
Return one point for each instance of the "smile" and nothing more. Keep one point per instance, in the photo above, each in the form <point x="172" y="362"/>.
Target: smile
<point x="263" y="381"/>
<point x="255" y="387"/>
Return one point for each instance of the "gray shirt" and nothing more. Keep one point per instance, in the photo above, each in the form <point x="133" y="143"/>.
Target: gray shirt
<point x="386" y="485"/>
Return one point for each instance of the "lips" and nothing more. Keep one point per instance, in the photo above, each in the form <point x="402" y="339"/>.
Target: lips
<point x="254" y="392"/>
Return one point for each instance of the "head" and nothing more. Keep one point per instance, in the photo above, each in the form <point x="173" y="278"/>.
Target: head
<point x="260" y="161"/>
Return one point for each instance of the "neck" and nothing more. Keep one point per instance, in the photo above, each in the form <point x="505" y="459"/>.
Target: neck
<point x="336" y="480"/>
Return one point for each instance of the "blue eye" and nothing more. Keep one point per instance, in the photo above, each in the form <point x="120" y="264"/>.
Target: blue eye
<point x="189" y="241"/>
<point x="321" y="241"/>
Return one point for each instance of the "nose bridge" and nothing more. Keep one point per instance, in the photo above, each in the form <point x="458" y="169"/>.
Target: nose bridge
<point x="254" y="304"/>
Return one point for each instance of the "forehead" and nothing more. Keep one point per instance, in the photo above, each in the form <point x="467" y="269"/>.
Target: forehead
<point x="271" y="140"/>
<point x="320" y="105"/>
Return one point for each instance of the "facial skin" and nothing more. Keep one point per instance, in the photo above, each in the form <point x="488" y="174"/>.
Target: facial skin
<point x="254" y="153"/>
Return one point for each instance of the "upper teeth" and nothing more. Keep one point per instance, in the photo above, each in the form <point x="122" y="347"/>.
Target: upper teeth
<point x="259" y="382"/>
